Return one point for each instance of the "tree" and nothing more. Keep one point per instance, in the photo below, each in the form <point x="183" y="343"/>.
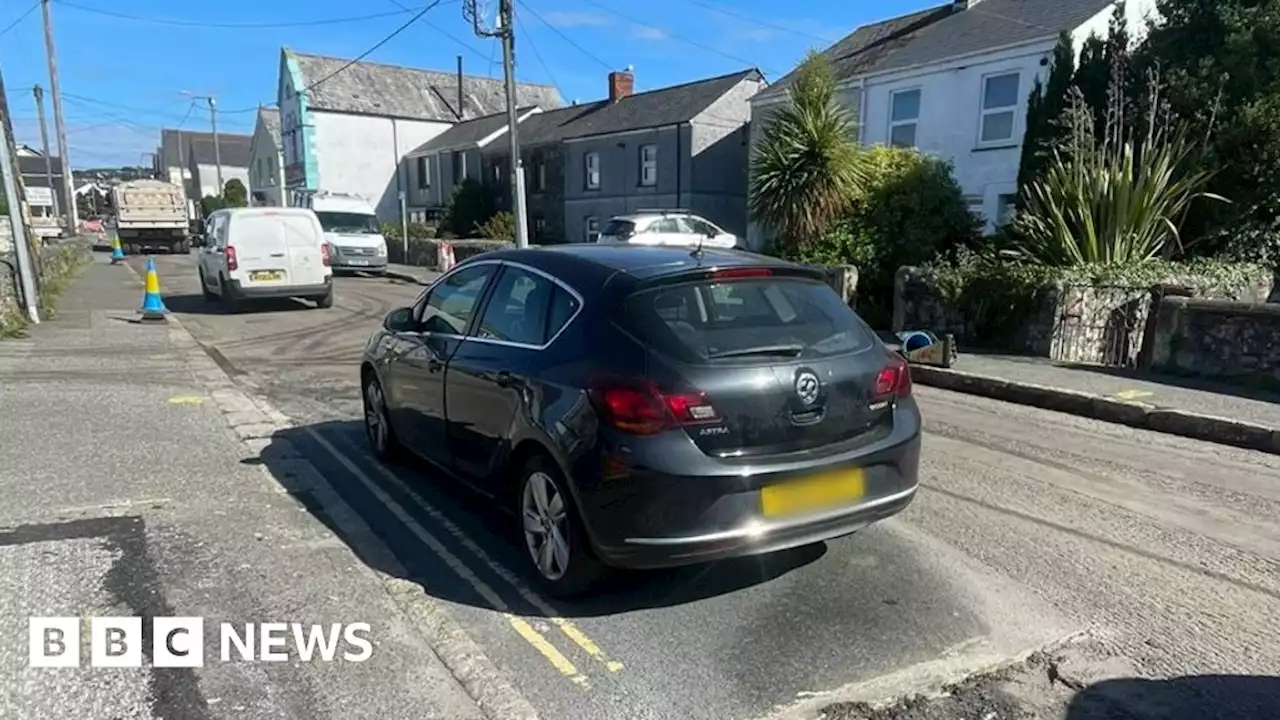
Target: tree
<point x="502" y="226"/>
<point x="1045" y="106"/>
<point x="806" y="169"/>
<point x="470" y="205"/>
<point x="235" y="194"/>
<point x="211" y="204"/>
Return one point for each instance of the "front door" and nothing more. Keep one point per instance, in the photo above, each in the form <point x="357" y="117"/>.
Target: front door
<point x="442" y="319"/>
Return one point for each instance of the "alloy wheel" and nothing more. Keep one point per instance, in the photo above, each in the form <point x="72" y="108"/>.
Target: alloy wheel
<point x="375" y="416"/>
<point x="546" y="529"/>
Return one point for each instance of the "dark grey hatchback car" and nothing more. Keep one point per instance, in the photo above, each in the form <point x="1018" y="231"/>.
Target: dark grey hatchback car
<point x="644" y="407"/>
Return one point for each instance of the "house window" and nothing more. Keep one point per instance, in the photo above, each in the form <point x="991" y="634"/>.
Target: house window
<point x="424" y="173"/>
<point x="540" y="176"/>
<point x="459" y="167"/>
<point x="976" y="204"/>
<point x="591" y="167"/>
<point x="648" y="165"/>
<point x="999" y="108"/>
<point x="904" y="116"/>
<point x="593" y="228"/>
<point x="1006" y="208"/>
<point x="539" y="227"/>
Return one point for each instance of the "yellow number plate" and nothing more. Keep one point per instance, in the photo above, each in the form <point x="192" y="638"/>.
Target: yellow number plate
<point x="811" y="494"/>
<point x="266" y="275"/>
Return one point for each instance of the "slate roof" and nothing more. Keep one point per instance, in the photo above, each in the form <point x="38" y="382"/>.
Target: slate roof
<point x="270" y="118"/>
<point x="656" y="108"/>
<point x="469" y="133"/>
<point x="170" y="140"/>
<point x="939" y="33"/>
<point x="233" y="149"/>
<point x="555" y="125"/>
<point x="33" y="166"/>
<point x="389" y="90"/>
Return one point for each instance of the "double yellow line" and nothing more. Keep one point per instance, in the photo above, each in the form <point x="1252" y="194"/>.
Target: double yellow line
<point x="521" y="625"/>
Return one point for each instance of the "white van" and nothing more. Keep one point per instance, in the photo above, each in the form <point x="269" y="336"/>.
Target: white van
<point x="351" y="226"/>
<point x="265" y="252"/>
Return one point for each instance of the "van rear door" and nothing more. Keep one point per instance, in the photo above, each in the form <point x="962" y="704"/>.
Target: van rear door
<point x="277" y="248"/>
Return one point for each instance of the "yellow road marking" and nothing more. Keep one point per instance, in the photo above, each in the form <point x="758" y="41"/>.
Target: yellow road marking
<point x="567" y="627"/>
<point x="1133" y="394"/>
<point x="187" y="400"/>
<point x="520" y="625"/>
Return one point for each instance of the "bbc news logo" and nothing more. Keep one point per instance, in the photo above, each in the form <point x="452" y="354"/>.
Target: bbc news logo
<point x="179" y="642"/>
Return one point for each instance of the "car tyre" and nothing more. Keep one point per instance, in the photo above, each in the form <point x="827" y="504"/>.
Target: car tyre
<point x="208" y="294"/>
<point x="326" y="300"/>
<point x="377" y="422"/>
<point x="557" y="549"/>
<point x="230" y="304"/>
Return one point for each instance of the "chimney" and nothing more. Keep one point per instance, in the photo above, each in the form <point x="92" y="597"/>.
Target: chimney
<point x="621" y="84"/>
<point x="461" y="108"/>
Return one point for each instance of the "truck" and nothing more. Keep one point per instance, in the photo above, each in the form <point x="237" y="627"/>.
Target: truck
<point x="151" y="215"/>
<point x="351" y="229"/>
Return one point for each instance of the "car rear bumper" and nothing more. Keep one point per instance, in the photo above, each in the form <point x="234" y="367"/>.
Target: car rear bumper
<point x="237" y="291"/>
<point x="641" y="518"/>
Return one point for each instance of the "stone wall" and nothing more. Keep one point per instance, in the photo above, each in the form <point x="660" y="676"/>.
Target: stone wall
<point x="1234" y="341"/>
<point x="57" y="261"/>
<point x="1063" y="321"/>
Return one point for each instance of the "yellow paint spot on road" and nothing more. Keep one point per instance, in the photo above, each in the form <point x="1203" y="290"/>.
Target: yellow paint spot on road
<point x="1133" y="394"/>
<point x="187" y="400"/>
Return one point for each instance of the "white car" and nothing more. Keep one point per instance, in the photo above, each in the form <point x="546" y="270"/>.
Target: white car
<point x="265" y="252"/>
<point x="672" y="227"/>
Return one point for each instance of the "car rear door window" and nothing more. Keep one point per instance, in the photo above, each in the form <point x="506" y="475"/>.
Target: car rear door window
<point x="517" y="310"/>
<point x="451" y="303"/>
<point x="734" y="321"/>
<point x="563" y="307"/>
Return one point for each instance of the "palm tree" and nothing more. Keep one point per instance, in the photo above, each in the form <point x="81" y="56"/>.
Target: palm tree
<point x="806" y="169"/>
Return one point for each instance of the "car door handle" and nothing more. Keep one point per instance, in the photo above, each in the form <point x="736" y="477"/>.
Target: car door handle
<point x="277" y="254"/>
<point x="504" y="379"/>
<point x="434" y="365"/>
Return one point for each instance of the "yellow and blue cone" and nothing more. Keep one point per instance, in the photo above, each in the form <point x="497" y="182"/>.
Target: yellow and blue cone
<point x="117" y="253"/>
<point x="152" y="306"/>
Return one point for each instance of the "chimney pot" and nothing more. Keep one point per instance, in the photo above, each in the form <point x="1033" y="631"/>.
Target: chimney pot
<point x="621" y="84"/>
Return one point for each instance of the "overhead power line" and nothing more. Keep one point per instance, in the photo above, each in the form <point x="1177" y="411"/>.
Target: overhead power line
<point x="214" y="24"/>
<point x="350" y="62"/>
<point x="459" y="41"/>
<point x="536" y="54"/>
<point x="21" y="17"/>
<point x="567" y="39"/>
<point x="759" y="22"/>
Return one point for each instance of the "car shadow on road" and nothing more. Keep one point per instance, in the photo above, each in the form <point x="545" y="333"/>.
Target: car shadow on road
<point x="1195" y="697"/>
<point x="475" y="530"/>
<point x="196" y="304"/>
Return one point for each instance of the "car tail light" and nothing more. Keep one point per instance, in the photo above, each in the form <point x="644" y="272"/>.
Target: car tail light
<point x="325" y="259"/>
<point x="894" y="380"/>
<point x="232" y="261"/>
<point x="740" y="272"/>
<point x="643" y="409"/>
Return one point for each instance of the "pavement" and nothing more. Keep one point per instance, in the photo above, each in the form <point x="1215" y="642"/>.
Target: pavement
<point x="411" y="273"/>
<point x="1195" y="408"/>
<point x="1034" y="531"/>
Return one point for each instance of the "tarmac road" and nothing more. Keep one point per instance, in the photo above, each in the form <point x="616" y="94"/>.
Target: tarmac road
<point x="1032" y="526"/>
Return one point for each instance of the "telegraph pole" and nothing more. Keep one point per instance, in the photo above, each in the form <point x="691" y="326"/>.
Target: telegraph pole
<point x="44" y="144"/>
<point x="505" y="31"/>
<point x="213" y="123"/>
<point x="60" y="127"/>
<point x="21" y="250"/>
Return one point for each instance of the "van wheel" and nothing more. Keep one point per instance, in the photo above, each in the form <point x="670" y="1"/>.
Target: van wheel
<point x="229" y="304"/>
<point x="204" y="289"/>
<point x="557" y="548"/>
<point x="326" y="300"/>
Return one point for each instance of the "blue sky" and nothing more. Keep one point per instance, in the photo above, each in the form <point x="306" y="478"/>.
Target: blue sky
<point x="122" y="78"/>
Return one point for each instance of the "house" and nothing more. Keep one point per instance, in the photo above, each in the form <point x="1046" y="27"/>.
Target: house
<point x="953" y="80"/>
<point x="683" y="146"/>
<point x="347" y="126"/>
<point x="35" y="180"/>
<point x="266" y="160"/>
<point x="174" y="161"/>
<point x="212" y="167"/>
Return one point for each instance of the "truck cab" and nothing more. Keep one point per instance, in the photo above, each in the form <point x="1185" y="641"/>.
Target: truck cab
<point x="350" y="226"/>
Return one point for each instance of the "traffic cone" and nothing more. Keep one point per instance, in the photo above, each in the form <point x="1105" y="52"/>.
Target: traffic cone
<point x="152" y="306"/>
<point x="117" y="253"/>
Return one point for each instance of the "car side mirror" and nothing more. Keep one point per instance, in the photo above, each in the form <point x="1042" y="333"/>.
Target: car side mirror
<point x="400" y="320"/>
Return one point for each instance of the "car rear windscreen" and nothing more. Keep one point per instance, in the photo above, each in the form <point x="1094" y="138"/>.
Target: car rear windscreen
<point x="744" y="320"/>
<point x="619" y="228"/>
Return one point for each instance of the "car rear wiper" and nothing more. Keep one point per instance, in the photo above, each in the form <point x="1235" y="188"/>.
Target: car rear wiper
<point x="779" y="350"/>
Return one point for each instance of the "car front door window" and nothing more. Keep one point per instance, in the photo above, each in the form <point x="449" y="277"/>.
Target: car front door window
<point x="449" y="305"/>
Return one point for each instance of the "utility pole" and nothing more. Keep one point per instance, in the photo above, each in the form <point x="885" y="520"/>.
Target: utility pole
<point x="68" y="188"/>
<point x="44" y="144"/>
<point x="505" y="31"/>
<point x="21" y="250"/>
<point x="213" y="123"/>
